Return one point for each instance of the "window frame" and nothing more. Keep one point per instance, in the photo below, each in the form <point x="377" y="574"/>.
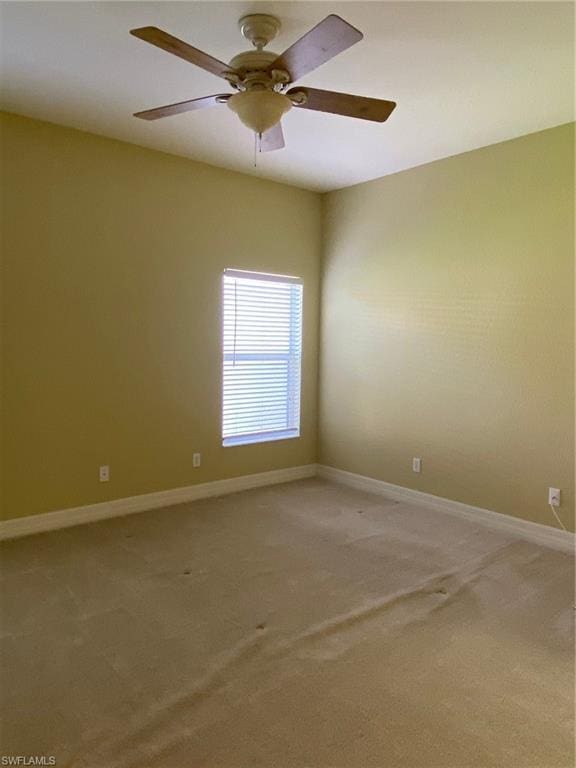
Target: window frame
<point x="296" y="329"/>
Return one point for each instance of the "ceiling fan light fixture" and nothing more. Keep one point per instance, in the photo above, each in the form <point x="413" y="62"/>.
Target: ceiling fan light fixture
<point x="259" y="110"/>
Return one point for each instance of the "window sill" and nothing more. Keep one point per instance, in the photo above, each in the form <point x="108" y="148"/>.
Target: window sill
<point x="261" y="437"/>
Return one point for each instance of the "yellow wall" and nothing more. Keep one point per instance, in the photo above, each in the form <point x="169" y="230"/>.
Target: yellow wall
<point x="447" y="327"/>
<point x="113" y="257"/>
<point x="447" y="320"/>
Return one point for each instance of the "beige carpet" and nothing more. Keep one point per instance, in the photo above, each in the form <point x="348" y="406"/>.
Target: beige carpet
<point x="304" y="626"/>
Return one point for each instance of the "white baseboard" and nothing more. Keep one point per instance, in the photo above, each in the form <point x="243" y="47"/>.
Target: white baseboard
<point x="540" y="534"/>
<point x="64" y="518"/>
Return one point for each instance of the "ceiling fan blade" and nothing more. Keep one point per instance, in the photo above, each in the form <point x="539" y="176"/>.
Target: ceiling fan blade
<point x="182" y="106"/>
<point x="361" y="107"/>
<point x="179" y="48"/>
<point x="324" y="41"/>
<point x="272" y="139"/>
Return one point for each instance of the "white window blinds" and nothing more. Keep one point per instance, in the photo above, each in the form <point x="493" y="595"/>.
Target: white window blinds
<point x="262" y="344"/>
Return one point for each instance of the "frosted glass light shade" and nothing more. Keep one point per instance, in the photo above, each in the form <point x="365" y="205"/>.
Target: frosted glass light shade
<point x="259" y="110"/>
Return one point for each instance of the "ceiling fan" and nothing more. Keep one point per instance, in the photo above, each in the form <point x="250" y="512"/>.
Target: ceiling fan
<point x="261" y="78"/>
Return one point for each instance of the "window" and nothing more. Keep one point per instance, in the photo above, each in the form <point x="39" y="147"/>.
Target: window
<point x="262" y="344"/>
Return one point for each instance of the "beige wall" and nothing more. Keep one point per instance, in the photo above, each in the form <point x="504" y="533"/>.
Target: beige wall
<point x="447" y="327"/>
<point x="113" y="256"/>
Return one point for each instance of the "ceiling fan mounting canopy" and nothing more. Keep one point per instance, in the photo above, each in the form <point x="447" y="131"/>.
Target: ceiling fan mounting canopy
<point x="261" y="78"/>
<point x="259" y="28"/>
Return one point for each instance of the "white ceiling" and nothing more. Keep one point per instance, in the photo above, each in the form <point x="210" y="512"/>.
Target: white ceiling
<point x="464" y="74"/>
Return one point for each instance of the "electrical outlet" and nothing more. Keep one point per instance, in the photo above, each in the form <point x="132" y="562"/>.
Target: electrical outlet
<point x="196" y="459"/>
<point x="554" y="497"/>
<point x="104" y="473"/>
<point x="416" y="465"/>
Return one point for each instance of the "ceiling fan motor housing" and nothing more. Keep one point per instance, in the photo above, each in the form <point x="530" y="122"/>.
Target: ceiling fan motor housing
<point x="251" y="72"/>
<point x="252" y="60"/>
